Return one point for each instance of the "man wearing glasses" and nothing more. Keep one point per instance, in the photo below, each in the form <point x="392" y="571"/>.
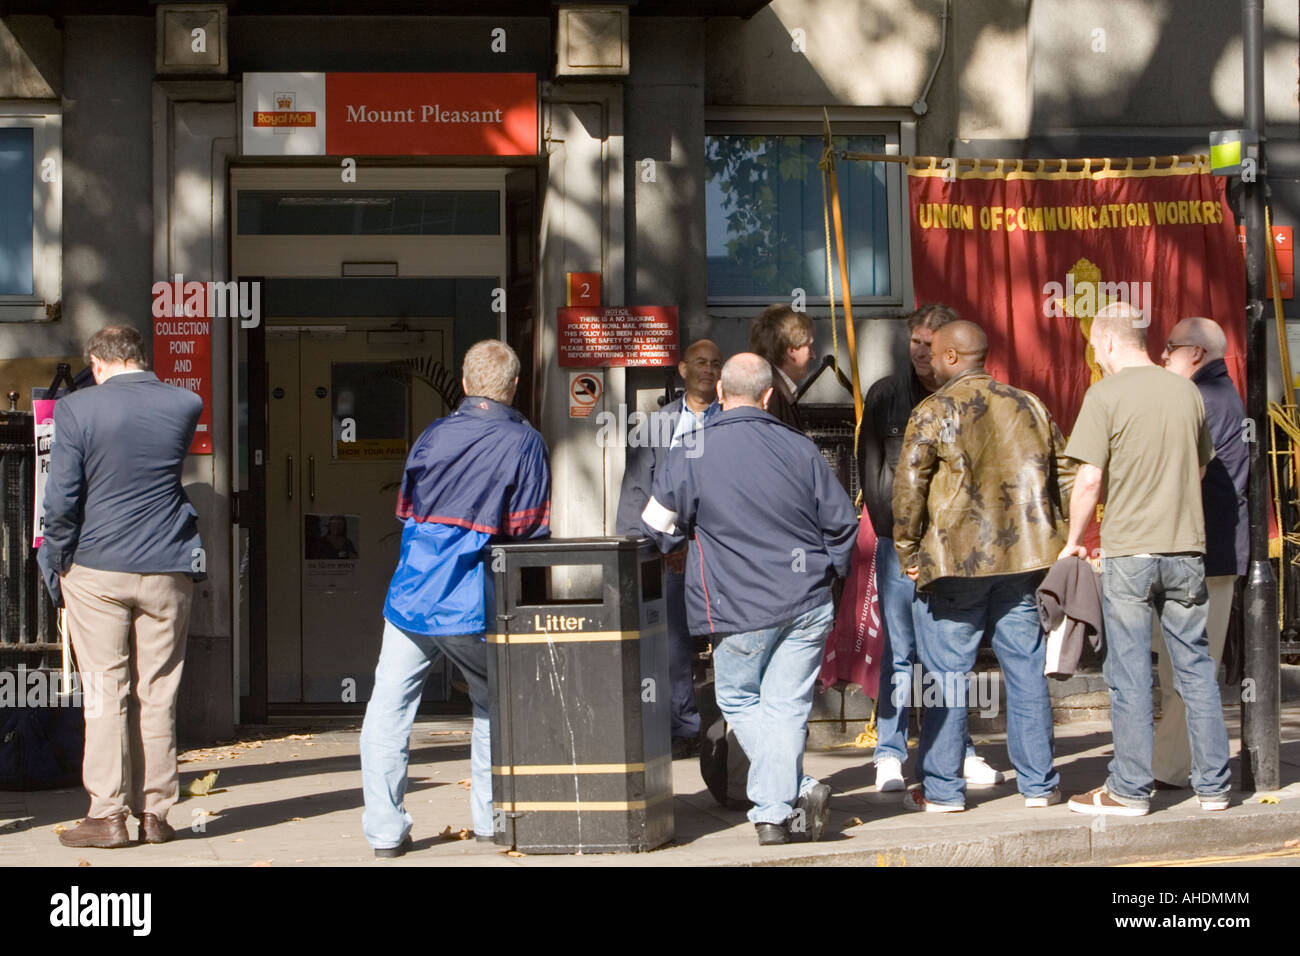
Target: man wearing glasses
<point x="1196" y="350"/>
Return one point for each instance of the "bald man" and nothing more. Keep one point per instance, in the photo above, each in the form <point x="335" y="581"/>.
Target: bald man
<point x="674" y="424"/>
<point x="770" y="528"/>
<point x="1142" y="442"/>
<point x="1195" y="350"/>
<point x="979" y="516"/>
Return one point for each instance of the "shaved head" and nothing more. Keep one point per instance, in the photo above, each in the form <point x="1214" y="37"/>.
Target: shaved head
<point x="745" y="379"/>
<point x="964" y="336"/>
<point x="1202" y="332"/>
<point x="957" y="347"/>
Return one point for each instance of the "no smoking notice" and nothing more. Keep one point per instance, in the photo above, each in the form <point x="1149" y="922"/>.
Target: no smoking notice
<point x="585" y="389"/>
<point x="639" y="335"/>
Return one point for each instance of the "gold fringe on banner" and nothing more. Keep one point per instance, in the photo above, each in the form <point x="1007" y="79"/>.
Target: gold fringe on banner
<point x="1087" y="167"/>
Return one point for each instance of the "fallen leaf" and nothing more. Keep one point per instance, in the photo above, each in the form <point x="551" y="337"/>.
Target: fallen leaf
<point x="200" y="787"/>
<point x="238" y="840"/>
<point x="446" y="833"/>
<point x="263" y="863"/>
<point x="295" y="819"/>
<point x="59" y="828"/>
<point x="84" y="863"/>
<point x="513" y="853"/>
<point x="1290" y="843"/>
<point x="463" y="834"/>
<point x="851" y="822"/>
<point x="300" y="737"/>
<point x="1269" y="799"/>
<point x="464" y="783"/>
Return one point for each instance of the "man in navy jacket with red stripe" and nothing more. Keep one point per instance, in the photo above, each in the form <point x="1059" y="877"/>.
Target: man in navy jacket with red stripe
<point x="477" y="474"/>
<point x="770" y="527"/>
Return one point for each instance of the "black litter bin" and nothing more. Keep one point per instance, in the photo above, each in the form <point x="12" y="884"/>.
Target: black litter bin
<point x="581" y="747"/>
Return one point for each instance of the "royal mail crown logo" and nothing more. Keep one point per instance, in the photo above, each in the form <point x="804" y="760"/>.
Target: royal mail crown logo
<point x="284" y="118"/>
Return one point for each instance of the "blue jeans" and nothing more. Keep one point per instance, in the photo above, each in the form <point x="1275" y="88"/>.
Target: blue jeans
<point x="897" y="593"/>
<point x="681" y="655"/>
<point x="1173" y="586"/>
<point x="404" y="663"/>
<point x="764" y="684"/>
<point x="952" y="616"/>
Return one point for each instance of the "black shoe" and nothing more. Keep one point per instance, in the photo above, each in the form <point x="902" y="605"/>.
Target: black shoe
<point x="816" y="811"/>
<point x="685" y="748"/>
<point x="772" y="834"/>
<point x="391" y="852"/>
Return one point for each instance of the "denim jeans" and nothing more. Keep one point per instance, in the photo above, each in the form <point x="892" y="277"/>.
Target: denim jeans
<point x="764" y="684"/>
<point x="1173" y="586"/>
<point x="404" y="663"/>
<point x="681" y="655"/>
<point x="951" y="618"/>
<point x="897" y="593"/>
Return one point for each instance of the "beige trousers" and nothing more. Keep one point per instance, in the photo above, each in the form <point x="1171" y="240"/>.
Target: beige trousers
<point x="1172" y="760"/>
<point x="128" y="632"/>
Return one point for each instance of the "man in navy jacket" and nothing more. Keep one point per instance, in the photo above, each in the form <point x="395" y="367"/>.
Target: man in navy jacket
<point x="1196" y="350"/>
<point x="770" y="527"/>
<point x="121" y="551"/>
<point x="480" y="473"/>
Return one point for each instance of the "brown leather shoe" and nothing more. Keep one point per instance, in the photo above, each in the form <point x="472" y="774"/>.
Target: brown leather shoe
<point x="154" y="830"/>
<point x="107" y="833"/>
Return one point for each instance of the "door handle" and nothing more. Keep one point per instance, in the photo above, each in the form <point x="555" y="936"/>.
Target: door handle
<point x="311" y="476"/>
<point x="289" y="475"/>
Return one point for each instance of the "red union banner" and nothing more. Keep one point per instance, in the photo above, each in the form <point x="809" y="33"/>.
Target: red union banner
<point x="1032" y="256"/>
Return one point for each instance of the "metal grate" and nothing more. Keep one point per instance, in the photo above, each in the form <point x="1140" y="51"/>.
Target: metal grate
<point x="831" y="429"/>
<point x="27" y="616"/>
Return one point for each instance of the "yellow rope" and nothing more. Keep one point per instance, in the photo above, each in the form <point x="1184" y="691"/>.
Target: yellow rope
<point x="830" y="273"/>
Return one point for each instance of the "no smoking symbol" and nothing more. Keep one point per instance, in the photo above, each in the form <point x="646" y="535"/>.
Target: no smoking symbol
<point x="585" y="389"/>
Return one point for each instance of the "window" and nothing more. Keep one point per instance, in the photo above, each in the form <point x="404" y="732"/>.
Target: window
<point x="30" y="216"/>
<point x="765" y="221"/>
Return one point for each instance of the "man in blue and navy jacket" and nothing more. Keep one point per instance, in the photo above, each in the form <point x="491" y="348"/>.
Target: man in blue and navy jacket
<point x="479" y="474"/>
<point x="769" y="528"/>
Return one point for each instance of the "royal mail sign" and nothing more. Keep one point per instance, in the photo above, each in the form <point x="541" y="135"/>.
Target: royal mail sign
<point x="389" y="114"/>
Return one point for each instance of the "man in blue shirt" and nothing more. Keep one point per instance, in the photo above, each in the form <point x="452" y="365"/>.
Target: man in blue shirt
<point x="479" y="474"/>
<point x="675" y="424"/>
<point x="769" y="528"/>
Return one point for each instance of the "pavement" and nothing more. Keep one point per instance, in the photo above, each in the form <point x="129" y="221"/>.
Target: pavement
<point x="291" y="796"/>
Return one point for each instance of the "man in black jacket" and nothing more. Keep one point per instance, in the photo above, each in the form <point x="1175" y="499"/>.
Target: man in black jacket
<point x="887" y="407"/>
<point x="1195" y="350"/>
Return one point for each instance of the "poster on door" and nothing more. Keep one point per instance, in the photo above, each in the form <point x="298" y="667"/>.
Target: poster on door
<point x="43" y="422"/>
<point x="331" y="560"/>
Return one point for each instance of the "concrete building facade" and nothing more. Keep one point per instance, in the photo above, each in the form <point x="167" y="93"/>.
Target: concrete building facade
<point x="134" y="131"/>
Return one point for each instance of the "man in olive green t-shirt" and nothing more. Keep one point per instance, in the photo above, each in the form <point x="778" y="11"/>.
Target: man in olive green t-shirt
<point x="1143" y="444"/>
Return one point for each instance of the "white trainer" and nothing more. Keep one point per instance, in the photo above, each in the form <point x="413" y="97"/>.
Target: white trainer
<point x="980" y="774"/>
<point x="889" y="775"/>
<point x="1046" y="800"/>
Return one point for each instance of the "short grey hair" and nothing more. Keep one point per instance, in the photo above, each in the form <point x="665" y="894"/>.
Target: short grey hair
<point x="746" y="377"/>
<point x="490" y="370"/>
<point x="115" y="344"/>
<point x="1123" y="321"/>
<point x="1206" y="333"/>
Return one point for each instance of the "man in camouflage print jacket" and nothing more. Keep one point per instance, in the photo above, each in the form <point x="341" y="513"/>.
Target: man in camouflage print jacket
<point x="980" y="499"/>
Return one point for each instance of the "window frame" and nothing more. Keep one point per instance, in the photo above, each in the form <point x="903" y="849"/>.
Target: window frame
<point x="46" y="122"/>
<point x="899" y="130"/>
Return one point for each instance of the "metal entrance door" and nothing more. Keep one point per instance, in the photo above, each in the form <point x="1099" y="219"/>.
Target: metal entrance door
<point x="341" y="420"/>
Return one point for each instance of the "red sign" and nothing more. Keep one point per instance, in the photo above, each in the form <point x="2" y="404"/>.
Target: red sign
<point x="182" y="356"/>
<point x="431" y="114"/>
<point x="1284" y="247"/>
<point x="639" y="335"/>
<point x="584" y="288"/>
